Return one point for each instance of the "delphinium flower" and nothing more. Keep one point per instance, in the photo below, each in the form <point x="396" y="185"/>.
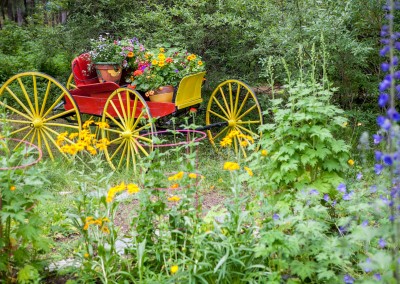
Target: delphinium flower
<point x="389" y="89"/>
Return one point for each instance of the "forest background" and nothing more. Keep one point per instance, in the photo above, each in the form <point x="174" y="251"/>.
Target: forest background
<point x="246" y="39"/>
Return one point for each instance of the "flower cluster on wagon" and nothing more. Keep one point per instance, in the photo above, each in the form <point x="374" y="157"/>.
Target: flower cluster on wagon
<point x="146" y="70"/>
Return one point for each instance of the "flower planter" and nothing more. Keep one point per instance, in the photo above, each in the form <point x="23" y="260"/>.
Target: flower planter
<point x="163" y="94"/>
<point x="108" y="72"/>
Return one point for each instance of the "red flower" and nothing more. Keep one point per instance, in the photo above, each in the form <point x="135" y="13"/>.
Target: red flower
<point x="137" y="73"/>
<point x="169" y="60"/>
<point x="193" y="110"/>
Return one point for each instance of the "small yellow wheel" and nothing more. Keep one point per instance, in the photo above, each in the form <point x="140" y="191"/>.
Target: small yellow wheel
<point x="235" y="114"/>
<point x="128" y="120"/>
<point x="34" y="104"/>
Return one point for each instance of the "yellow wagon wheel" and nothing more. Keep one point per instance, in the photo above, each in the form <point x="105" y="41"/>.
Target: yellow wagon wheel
<point x="235" y="113"/>
<point x="71" y="82"/>
<point x="34" y="104"/>
<point x="128" y="120"/>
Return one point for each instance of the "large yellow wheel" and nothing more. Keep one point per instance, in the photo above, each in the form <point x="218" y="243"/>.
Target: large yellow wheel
<point x="235" y="114"/>
<point x="71" y="82"/>
<point x="128" y="120"/>
<point x="34" y="105"/>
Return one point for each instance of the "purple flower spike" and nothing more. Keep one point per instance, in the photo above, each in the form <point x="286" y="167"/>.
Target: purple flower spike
<point x="364" y="223"/>
<point x="397" y="45"/>
<point x="378" y="169"/>
<point x="342" y="187"/>
<point x="348" y="279"/>
<point x="387" y="159"/>
<point x="383" y="99"/>
<point x="384" y="85"/>
<point x="348" y="196"/>
<point x="378" y="156"/>
<point x="384" y="50"/>
<point x="385" y="67"/>
<point x="313" y="192"/>
<point x="395" y="60"/>
<point x="377" y="276"/>
<point x="377" y="138"/>
<point x="386" y="125"/>
<point x="275" y="217"/>
<point x="326" y="197"/>
<point x="373" y="188"/>
<point x="380" y="120"/>
<point x="359" y="176"/>
<point x="382" y="243"/>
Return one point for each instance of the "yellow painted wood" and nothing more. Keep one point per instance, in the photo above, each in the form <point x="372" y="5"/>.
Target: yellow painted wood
<point x="234" y="103"/>
<point x="126" y="143"/>
<point x="189" y="91"/>
<point x="30" y="99"/>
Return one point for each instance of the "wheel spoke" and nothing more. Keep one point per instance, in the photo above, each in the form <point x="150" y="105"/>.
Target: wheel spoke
<point x="247" y="111"/>
<point x="28" y="100"/>
<point x="26" y="135"/>
<point x="218" y="115"/>
<point x="137" y="120"/>
<point x="122" y="155"/>
<point x="237" y="100"/>
<point x="243" y="103"/>
<point x="75" y="127"/>
<point x="247" y="130"/>
<point x="121" y="103"/>
<point x="20" y="129"/>
<point x="220" y="106"/>
<point x="114" y="120"/>
<point x="20" y="103"/>
<point x="64" y="113"/>
<point x="225" y="129"/>
<point x="249" y="122"/>
<point x="35" y="96"/>
<point x="117" y="150"/>
<point x="225" y="102"/>
<point x="59" y="98"/>
<point x="55" y="133"/>
<point x="132" y="115"/>
<point x="141" y="148"/>
<point x="46" y="95"/>
<point x="118" y="114"/>
<point x="143" y="138"/>
<point x="46" y="143"/>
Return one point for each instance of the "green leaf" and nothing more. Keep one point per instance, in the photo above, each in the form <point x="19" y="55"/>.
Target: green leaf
<point x="303" y="269"/>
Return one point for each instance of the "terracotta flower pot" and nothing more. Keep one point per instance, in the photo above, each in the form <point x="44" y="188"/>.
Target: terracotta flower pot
<point x="108" y="72"/>
<point x="163" y="94"/>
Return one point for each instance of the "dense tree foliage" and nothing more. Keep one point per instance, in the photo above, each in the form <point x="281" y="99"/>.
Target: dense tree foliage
<point x="236" y="38"/>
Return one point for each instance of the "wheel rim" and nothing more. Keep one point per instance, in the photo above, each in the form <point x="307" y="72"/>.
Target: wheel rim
<point x="127" y="119"/>
<point x="235" y="105"/>
<point x="34" y="105"/>
<point x="71" y="82"/>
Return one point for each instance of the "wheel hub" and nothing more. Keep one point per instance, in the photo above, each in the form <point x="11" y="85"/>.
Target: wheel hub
<point x="126" y="134"/>
<point x="232" y="123"/>
<point x="37" y="122"/>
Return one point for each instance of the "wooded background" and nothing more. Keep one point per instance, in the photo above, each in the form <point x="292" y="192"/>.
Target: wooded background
<point x="237" y="38"/>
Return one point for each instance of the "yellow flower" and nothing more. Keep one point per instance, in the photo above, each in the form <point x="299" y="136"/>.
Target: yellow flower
<point x="264" y="153"/>
<point x="350" y="162"/>
<point x="91" y="150"/>
<point x="12" y="188"/>
<point x="174" y="198"/>
<point x="244" y="143"/>
<point x="177" y="176"/>
<point x="132" y="188"/>
<point x="174" y="269"/>
<point x="61" y="138"/>
<point x="359" y="124"/>
<point x="102" y="125"/>
<point x="200" y="63"/>
<point x="154" y="62"/>
<point x="231" y="166"/>
<point x="249" y="171"/>
<point x="344" y="124"/>
<point x="105" y="230"/>
<point x="192" y="175"/>
<point x="161" y="56"/>
<point x="162" y="49"/>
<point x="227" y="141"/>
<point x="87" y="123"/>
<point x="73" y="135"/>
<point x="86" y="255"/>
<point x="161" y="63"/>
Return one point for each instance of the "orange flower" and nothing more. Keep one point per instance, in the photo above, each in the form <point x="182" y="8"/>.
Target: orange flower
<point x="174" y="198"/>
<point x="12" y="188"/>
<point x="175" y="185"/>
<point x="130" y="54"/>
<point x="138" y="72"/>
<point x="169" y="60"/>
